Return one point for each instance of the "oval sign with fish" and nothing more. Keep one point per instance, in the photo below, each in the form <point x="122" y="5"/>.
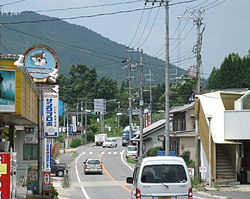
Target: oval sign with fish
<point x="40" y="60"/>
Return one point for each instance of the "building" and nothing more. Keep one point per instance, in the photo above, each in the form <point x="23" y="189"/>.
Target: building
<point x="224" y="117"/>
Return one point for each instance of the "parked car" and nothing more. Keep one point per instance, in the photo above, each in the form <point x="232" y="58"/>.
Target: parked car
<point x="92" y="166"/>
<point x="131" y="151"/>
<point x="110" y="142"/>
<point x="58" y="168"/>
<point x="161" y="177"/>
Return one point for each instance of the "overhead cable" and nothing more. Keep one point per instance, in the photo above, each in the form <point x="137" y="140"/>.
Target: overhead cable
<point x="80" y="17"/>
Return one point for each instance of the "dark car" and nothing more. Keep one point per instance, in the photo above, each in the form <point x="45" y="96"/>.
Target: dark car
<point x="58" y="168"/>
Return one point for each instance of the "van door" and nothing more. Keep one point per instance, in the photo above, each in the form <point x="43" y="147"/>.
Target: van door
<point x="164" y="181"/>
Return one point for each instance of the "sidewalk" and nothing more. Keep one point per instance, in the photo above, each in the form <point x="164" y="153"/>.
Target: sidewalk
<point x="57" y="182"/>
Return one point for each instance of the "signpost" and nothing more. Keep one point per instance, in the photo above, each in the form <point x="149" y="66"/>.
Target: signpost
<point x="51" y="119"/>
<point x="46" y="181"/>
<point x="100" y="106"/>
<point x="4" y="175"/>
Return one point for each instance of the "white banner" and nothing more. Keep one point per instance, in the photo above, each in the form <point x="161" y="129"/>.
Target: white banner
<point x="50" y="114"/>
<point x="47" y="158"/>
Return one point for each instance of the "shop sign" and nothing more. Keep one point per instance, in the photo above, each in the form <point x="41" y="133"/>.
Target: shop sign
<point x="32" y="178"/>
<point x="47" y="162"/>
<point x="4" y="175"/>
<point x="46" y="181"/>
<point x="7" y="91"/>
<point x="51" y="123"/>
<point x="29" y="135"/>
<point x="42" y="63"/>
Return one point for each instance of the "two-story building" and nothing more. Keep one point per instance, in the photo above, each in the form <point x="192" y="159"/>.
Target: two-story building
<point x="223" y="118"/>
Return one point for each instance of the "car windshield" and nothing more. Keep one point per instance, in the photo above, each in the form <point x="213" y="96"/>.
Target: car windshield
<point x="132" y="148"/>
<point x="109" y="141"/>
<point x="163" y="174"/>
<point x="93" y="162"/>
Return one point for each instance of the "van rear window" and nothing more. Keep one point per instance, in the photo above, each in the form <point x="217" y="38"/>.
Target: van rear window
<point x="163" y="174"/>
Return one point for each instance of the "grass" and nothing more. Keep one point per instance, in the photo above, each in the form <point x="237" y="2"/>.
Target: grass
<point x="132" y="161"/>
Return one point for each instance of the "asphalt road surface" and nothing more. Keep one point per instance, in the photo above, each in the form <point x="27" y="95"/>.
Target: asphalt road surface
<point x="112" y="183"/>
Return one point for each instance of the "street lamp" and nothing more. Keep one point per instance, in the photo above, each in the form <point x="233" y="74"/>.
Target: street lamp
<point x="210" y="151"/>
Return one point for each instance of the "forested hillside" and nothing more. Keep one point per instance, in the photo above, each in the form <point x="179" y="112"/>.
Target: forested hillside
<point x="73" y="44"/>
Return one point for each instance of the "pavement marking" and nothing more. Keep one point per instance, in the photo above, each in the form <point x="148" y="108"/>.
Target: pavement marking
<point x="102" y="152"/>
<point x="127" y="189"/>
<point x="115" y="153"/>
<point x="125" y="162"/>
<point x="78" y="178"/>
<point x="109" y="153"/>
<point x="90" y="153"/>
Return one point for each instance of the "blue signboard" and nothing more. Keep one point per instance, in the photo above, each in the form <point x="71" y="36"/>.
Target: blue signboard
<point x="71" y="128"/>
<point x="162" y="153"/>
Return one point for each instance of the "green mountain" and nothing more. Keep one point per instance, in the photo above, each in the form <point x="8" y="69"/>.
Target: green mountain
<point x="73" y="44"/>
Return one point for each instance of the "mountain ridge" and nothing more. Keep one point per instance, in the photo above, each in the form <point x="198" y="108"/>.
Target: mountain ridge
<point x="73" y="44"/>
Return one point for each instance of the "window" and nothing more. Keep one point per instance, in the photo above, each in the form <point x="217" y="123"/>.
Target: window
<point x="163" y="174"/>
<point x="30" y="152"/>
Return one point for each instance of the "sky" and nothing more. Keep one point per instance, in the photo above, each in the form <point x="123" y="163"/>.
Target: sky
<point x="226" y="22"/>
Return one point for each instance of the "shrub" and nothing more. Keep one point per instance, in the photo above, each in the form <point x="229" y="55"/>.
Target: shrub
<point x="186" y="156"/>
<point x="153" y="151"/>
<point x="75" y="143"/>
<point x="90" y="136"/>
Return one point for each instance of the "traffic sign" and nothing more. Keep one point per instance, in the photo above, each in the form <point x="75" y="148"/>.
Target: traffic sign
<point x="46" y="181"/>
<point x="100" y="105"/>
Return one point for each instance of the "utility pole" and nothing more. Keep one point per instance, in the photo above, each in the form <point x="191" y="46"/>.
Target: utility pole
<point x="40" y="146"/>
<point x="129" y="66"/>
<point x="141" y="107"/>
<point x="196" y="15"/>
<point x="81" y="123"/>
<point x="118" y="116"/>
<point x="85" y="122"/>
<point x="77" y="113"/>
<point x="150" y="95"/>
<point x="167" y="137"/>
<point x="64" y="123"/>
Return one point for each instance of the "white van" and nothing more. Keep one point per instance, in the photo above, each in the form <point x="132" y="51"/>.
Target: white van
<point x="161" y="177"/>
<point x="131" y="151"/>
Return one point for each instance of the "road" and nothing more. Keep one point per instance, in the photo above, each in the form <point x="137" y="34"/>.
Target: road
<point x="110" y="185"/>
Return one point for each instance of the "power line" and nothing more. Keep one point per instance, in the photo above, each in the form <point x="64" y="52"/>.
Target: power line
<point x="150" y="28"/>
<point x="215" y="5"/>
<point x="137" y="26"/>
<point x="210" y="4"/>
<point x="7" y="4"/>
<point x="84" y="7"/>
<point x="200" y="4"/>
<point x="144" y="27"/>
<point x="66" y="44"/>
<point x="80" y="17"/>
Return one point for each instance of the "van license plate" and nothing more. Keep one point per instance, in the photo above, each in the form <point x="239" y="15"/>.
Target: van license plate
<point x="164" y="197"/>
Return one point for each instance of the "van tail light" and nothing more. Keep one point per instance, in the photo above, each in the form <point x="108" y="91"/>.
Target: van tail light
<point x="100" y="166"/>
<point x="86" y="166"/>
<point x="138" y="194"/>
<point x="190" y="193"/>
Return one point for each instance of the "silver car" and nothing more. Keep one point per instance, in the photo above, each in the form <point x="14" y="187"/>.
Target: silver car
<point x="92" y="166"/>
<point x="110" y="142"/>
<point x="161" y="177"/>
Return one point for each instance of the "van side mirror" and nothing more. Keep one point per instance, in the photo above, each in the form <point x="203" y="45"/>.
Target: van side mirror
<point x="129" y="180"/>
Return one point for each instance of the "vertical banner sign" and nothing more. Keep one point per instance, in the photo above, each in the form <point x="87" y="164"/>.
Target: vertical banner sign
<point x="47" y="162"/>
<point x="46" y="181"/>
<point x="146" y="123"/>
<point x="74" y="123"/>
<point x="32" y="178"/>
<point x="50" y="115"/>
<point x="4" y="175"/>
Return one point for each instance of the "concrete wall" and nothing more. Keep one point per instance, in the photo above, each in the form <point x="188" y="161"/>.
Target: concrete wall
<point x="154" y="142"/>
<point x="22" y="165"/>
<point x="187" y="144"/>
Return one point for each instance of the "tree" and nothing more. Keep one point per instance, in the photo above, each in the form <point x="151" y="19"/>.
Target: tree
<point x="234" y="72"/>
